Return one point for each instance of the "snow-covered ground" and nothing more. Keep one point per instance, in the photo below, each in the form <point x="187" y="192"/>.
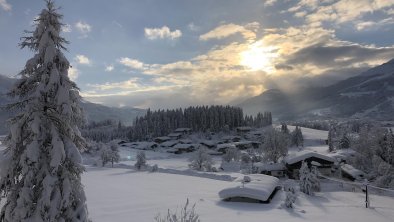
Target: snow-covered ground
<point x="116" y="194"/>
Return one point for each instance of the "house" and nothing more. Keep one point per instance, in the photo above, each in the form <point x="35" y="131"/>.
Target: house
<point x="144" y="145"/>
<point x="294" y="161"/>
<point x="184" y="131"/>
<point x="175" y="136"/>
<point x="169" y="144"/>
<point x="183" y="148"/>
<point x="229" y="139"/>
<point x="243" y="145"/>
<point x="242" y="130"/>
<point x="208" y="143"/>
<point x="162" y="139"/>
<point x="255" y="188"/>
<point x="185" y="141"/>
<point x="348" y="171"/>
<point x="223" y="147"/>
<point x="271" y="169"/>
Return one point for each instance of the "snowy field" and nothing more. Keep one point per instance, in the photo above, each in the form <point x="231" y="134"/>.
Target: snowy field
<point x="126" y="195"/>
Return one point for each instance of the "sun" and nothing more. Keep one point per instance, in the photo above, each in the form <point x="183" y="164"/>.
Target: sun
<point x="259" y="57"/>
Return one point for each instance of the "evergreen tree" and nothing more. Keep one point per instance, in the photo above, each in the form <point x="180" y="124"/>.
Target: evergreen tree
<point x="297" y="137"/>
<point x="41" y="167"/>
<point x="284" y="128"/>
<point x="344" y="142"/>
<point x="309" y="181"/>
<point x="330" y="140"/>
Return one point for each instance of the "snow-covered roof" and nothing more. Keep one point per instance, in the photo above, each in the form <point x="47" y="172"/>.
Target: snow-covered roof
<point x="174" y="134"/>
<point x="144" y="145"/>
<point x="163" y="138"/>
<point x="208" y="142"/>
<point x="225" y="145"/>
<point x="270" y="166"/>
<point x="185" y="146"/>
<point x="259" y="188"/>
<point x="302" y="155"/>
<point x="355" y="173"/>
<point x="169" y="143"/>
<point x="186" y="141"/>
<point x="244" y="128"/>
<point x="180" y="130"/>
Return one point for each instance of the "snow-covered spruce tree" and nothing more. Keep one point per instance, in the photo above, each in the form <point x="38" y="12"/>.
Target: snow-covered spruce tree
<point x="344" y="142"/>
<point x="297" y="137"/>
<point x="308" y="179"/>
<point x="291" y="197"/>
<point x="41" y="166"/>
<point x="330" y="139"/>
<point x="201" y="160"/>
<point x="141" y="160"/>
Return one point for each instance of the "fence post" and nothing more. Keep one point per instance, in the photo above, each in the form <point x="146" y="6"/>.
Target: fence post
<point x="366" y="194"/>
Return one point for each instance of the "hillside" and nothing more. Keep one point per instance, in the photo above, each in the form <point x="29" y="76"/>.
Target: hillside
<point x="369" y="94"/>
<point x="93" y="112"/>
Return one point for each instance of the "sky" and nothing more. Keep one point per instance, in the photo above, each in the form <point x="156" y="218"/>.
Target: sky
<point x="176" y="53"/>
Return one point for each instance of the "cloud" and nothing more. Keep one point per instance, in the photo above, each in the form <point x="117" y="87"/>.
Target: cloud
<point x="73" y="73"/>
<point x="226" y="30"/>
<point x="5" y="5"/>
<point x="66" y="28"/>
<point x="162" y="33"/>
<point x="269" y="3"/>
<point x="339" y="11"/>
<point x="109" y="68"/>
<point x="84" y="28"/>
<point x="83" y="60"/>
<point x="132" y="63"/>
<point x="367" y="25"/>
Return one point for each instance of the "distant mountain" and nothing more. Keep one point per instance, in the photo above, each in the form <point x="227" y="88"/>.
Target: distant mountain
<point x="93" y="112"/>
<point x="368" y="95"/>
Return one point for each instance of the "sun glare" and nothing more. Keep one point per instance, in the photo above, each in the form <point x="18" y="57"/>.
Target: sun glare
<point x="258" y="57"/>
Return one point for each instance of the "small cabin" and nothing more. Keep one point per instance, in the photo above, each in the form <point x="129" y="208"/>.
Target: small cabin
<point x="183" y="131"/>
<point x="271" y="169"/>
<point x="175" y="136"/>
<point x="162" y="139"/>
<point x="183" y="148"/>
<point x="293" y="162"/>
<point x="223" y="147"/>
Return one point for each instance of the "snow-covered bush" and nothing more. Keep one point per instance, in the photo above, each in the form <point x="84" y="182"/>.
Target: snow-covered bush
<point x="42" y="166"/>
<point x="114" y="155"/>
<point x="155" y="168"/>
<point x="201" y="160"/>
<point x="291" y="197"/>
<point x="309" y="181"/>
<point x="232" y="154"/>
<point x="186" y="215"/>
<point x="141" y="160"/>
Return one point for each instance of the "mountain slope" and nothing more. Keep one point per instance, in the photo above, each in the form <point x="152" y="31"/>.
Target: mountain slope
<point x="370" y="94"/>
<point x="93" y="112"/>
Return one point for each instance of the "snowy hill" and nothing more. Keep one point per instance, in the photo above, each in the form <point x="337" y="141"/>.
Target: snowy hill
<point x="346" y="98"/>
<point x="94" y="112"/>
